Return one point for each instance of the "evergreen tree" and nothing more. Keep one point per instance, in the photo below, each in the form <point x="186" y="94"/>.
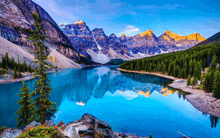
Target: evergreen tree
<point x="185" y="70"/>
<point x="24" y="66"/>
<point x="150" y="136"/>
<point x="25" y="111"/>
<point x="20" y="75"/>
<point x="29" y="68"/>
<point x="189" y="80"/>
<point x="194" y="81"/>
<point x="216" y="85"/>
<point x="15" y="75"/>
<point x="213" y="62"/>
<point x="190" y="67"/>
<point x="197" y="70"/>
<point x="208" y="81"/>
<point x="163" y="68"/>
<point x="13" y="62"/>
<point x="45" y="109"/>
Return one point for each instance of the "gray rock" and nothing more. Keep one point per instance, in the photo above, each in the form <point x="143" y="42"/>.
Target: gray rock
<point x="70" y="132"/>
<point x="49" y="123"/>
<point x="60" y="124"/>
<point x="32" y="124"/>
<point x="10" y="133"/>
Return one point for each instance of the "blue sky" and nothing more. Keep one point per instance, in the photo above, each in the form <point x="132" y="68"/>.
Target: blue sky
<point x="134" y="16"/>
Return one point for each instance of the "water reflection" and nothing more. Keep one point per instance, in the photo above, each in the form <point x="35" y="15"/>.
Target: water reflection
<point x="143" y="99"/>
<point x="214" y="121"/>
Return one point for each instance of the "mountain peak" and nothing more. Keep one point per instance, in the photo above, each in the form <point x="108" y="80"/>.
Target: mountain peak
<point x="122" y="35"/>
<point x="148" y="32"/>
<point x="112" y="35"/>
<point x="195" y="36"/>
<point x="79" y="22"/>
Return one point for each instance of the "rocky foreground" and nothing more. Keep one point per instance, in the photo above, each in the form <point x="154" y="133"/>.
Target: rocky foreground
<point x="88" y="126"/>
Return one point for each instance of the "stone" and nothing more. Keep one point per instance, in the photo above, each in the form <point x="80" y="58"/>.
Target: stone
<point x="70" y="132"/>
<point x="60" y="124"/>
<point x="32" y="125"/>
<point x="10" y="133"/>
<point x="49" y="123"/>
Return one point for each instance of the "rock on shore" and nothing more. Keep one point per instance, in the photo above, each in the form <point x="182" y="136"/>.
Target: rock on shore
<point x="87" y="126"/>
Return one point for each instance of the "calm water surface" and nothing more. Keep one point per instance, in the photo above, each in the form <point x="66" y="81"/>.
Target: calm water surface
<point x="135" y="103"/>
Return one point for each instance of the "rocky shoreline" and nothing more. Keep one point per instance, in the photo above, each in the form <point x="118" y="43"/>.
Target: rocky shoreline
<point x="87" y="126"/>
<point x="21" y="79"/>
<point x="201" y="100"/>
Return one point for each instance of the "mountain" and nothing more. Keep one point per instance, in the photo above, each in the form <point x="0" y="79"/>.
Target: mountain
<point x="16" y="22"/>
<point x="95" y="44"/>
<point x="147" y="43"/>
<point x="55" y="58"/>
<point x="212" y="39"/>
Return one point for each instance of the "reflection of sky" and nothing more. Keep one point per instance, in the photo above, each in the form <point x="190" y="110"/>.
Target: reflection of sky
<point x="135" y="113"/>
<point x="128" y="102"/>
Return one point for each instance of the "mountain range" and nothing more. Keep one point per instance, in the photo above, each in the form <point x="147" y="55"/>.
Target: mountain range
<point x="102" y="48"/>
<point x="78" y="43"/>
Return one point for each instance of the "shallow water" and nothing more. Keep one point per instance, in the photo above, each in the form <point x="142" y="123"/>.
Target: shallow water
<point x="136" y="103"/>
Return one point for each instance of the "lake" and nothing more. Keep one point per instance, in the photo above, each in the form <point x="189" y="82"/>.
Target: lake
<point x="134" y="103"/>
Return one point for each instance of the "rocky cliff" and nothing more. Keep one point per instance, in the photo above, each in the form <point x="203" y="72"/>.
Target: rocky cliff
<point x="94" y="44"/>
<point x="80" y="36"/>
<point x="147" y="43"/>
<point x="16" y="21"/>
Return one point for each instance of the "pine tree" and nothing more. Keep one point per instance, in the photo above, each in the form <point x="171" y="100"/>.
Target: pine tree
<point x="208" y="81"/>
<point x="194" y="81"/>
<point x="185" y="70"/>
<point x="189" y="80"/>
<point x="29" y="68"/>
<point x="45" y="109"/>
<point x="20" y="75"/>
<point x="197" y="70"/>
<point x="216" y="85"/>
<point x="25" y="111"/>
<point x="15" y="75"/>
<point x="150" y="136"/>
<point x="213" y="62"/>
<point x="190" y="67"/>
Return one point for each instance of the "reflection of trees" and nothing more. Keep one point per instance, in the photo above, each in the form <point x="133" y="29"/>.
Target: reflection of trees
<point x="144" y="78"/>
<point x="214" y="121"/>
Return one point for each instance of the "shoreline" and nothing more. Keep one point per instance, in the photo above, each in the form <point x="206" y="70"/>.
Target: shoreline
<point x="21" y="79"/>
<point x="201" y="100"/>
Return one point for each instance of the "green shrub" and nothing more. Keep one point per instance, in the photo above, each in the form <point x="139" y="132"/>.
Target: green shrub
<point x="41" y="132"/>
<point x="2" y="128"/>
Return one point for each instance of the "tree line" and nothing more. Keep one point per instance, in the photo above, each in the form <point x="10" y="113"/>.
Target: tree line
<point x="17" y="67"/>
<point x="184" y="64"/>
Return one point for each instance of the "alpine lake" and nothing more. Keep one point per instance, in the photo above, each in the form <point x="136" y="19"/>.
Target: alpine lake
<point x="131" y="103"/>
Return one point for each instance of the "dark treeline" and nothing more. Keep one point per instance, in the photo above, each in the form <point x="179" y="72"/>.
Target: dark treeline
<point x="183" y="64"/>
<point x="17" y="67"/>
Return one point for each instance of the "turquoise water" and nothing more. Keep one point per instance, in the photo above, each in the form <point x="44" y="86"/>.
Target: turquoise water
<point x="135" y="103"/>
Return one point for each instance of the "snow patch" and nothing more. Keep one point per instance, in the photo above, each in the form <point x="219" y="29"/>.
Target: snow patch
<point x="76" y="22"/>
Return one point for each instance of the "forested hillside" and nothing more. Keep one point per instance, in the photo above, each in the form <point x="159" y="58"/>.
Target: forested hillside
<point x="183" y="64"/>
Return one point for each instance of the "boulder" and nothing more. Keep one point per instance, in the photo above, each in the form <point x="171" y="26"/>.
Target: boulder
<point x="60" y="124"/>
<point x="70" y="132"/>
<point x="10" y="133"/>
<point x="49" y="123"/>
<point x="32" y="125"/>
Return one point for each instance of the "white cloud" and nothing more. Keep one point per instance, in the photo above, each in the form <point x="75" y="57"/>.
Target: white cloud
<point x="164" y="7"/>
<point x="130" y="30"/>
